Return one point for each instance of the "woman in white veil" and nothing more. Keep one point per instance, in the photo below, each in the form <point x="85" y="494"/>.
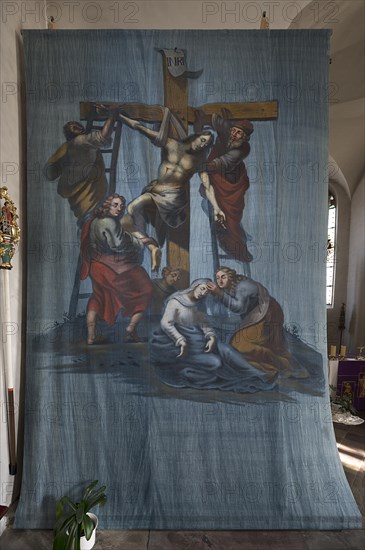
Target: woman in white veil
<point x="185" y="351"/>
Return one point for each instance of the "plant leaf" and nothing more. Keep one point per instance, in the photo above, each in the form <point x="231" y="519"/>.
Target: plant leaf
<point x="71" y="537"/>
<point x="60" y="540"/>
<point x="59" y="509"/>
<point x="96" y="493"/>
<point x="88" y="527"/>
<point x="101" y="500"/>
<point x="80" y="512"/>
<point x="89" y="489"/>
<point x="77" y="540"/>
<point x="64" y="523"/>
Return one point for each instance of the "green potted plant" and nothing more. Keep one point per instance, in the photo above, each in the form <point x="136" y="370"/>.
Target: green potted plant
<point x="75" y="524"/>
<point x="343" y="402"/>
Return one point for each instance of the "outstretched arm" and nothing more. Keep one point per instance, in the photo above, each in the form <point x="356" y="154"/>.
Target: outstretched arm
<point x="217" y="122"/>
<point x="136" y="125"/>
<point x="108" y="127"/>
<point x="219" y="215"/>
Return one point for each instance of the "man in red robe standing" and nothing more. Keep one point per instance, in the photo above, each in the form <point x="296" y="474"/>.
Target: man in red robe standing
<point x="112" y="258"/>
<point x="228" y="176"/>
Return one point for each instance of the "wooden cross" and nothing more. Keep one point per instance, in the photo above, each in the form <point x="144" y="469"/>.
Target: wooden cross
<point x="176" y="99"/>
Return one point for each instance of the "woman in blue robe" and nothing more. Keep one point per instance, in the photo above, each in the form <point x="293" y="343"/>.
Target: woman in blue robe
<point x="185" y="351"/>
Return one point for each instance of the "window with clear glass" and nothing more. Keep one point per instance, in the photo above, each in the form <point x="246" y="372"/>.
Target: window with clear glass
<point x="331" y="249"/>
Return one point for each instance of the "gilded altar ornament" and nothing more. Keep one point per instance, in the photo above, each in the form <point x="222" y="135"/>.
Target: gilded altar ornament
<point x="9" y="229"/>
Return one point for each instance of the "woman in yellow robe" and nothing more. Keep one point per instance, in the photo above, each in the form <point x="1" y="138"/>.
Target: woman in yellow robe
<point x="260" y="336"/>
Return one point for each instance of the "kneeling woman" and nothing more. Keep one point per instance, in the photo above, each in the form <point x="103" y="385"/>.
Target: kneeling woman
<point x="185" y="351"/>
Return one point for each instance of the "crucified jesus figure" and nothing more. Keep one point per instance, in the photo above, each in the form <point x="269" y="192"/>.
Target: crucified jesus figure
<point x="165" y="200"/>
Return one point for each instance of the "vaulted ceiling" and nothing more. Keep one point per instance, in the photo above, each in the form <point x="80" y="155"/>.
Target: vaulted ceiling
<point x="346" y="112"/>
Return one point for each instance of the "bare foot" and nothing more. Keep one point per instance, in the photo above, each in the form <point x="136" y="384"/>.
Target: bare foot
<point x="132" y="333"/>
<point x="97" y="340"/>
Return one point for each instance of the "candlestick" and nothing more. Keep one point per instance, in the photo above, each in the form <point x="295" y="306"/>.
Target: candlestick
<point x="341" y="323"/>
<point x="9" y="237"/>
<point x="333" y="352"/>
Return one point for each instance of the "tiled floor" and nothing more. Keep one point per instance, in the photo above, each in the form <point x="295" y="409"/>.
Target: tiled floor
<point x="351" y="444"/>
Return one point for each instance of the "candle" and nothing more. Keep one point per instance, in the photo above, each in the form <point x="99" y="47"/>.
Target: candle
<point x="333" y="351"/>
<point x="343" y="351"/>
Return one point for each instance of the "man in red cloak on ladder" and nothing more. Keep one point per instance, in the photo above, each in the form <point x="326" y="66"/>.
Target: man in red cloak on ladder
<point x="229" y="179"/>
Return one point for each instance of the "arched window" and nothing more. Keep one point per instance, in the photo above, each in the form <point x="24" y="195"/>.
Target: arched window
<point x="331" y="248"/>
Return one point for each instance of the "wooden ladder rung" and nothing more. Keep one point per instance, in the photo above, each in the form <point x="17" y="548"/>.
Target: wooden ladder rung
<point x="93" y="124"/>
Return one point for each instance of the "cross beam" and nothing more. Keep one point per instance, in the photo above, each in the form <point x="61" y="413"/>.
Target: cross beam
<point x="176" y="99"/>
<point x="265" y="110"/>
